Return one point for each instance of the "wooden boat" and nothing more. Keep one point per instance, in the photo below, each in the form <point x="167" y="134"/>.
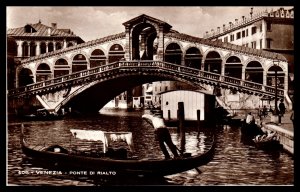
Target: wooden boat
<point x="43" y="115"/>
<point x="267" y="142"/>
<point x="120" y="164"/>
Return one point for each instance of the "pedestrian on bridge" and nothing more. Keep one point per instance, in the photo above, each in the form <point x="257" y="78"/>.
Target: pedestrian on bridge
<point x="162" y="133"/>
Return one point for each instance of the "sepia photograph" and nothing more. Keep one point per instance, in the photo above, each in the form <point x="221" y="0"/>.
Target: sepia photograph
<point x="150" y="96"/>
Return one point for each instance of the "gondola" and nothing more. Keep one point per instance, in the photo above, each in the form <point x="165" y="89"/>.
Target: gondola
<point x="43" y="115"/>
<point x="58" y="156"/>
<point x="269" y="142"/>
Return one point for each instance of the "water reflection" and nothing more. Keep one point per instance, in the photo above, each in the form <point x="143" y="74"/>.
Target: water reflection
<point x="235" y="162"/>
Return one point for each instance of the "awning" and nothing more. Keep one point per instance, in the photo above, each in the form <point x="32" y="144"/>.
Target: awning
<point x="105" y="137"/>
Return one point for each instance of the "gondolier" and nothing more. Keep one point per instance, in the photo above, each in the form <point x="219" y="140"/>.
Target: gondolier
<point x="162" y="133"/>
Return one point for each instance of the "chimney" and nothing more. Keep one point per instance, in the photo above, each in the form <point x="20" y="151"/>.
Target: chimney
<point x="223" y="27"/>
<point x="218" y="29"/>
<point x="236" y="21"/>
<point x="54" y="25"/>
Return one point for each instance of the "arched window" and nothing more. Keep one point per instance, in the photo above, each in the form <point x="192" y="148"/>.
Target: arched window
<point x="32" y="49"/>
<point x="254" y="72"/>
<point x="43" y="72"/>
<point x="25" y="49"/>
<point x="58" y="46"/>
<point x="193" y="58"/>
<point x="173" y="53"/>
<point x="213" y="62"/>
<point x="79" y="63"/>
<point x="43" y="47"/>
<point x="271" y="77"/>
<point x="50" y="47"/>
<point x="233" y="67"/>
<point x="61" y="68"/>
<point x="97" y="58"/>
<point x="25" y="77"/>
<point x="116" y="53"/>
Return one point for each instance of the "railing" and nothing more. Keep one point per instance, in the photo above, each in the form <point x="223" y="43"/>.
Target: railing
<point x="141" y="65"/>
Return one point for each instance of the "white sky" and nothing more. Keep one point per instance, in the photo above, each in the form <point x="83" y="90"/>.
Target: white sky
<point x="93" y="22"/>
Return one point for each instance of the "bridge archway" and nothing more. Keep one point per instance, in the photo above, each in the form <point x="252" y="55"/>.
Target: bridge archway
<point x="173" y="53"/>
<point x="25" y="77"/>
<point x="193" y="58"/>
<point x="116" y="53"/>
<point x="143" y="36"/>
<point x="43" y="72"/>
<point x="254" y="72"/>
<point x="79" y="63"/>
<point x="61" y="67"/>
<point x="233" y="67"/>
<point x="97" y="58"/>
<point x="213" y="62"/>
<point x="271" y="76"/>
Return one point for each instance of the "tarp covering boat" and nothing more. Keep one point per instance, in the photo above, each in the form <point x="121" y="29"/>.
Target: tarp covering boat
<point x="105" y="137"/>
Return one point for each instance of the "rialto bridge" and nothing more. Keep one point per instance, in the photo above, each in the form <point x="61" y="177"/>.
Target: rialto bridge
<point x="88" y="75"/>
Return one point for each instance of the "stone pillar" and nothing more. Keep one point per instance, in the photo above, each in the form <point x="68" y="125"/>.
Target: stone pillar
<point x="54" y="46"/>
<point x="127" y="44"/>
<point x="19" y="43"/>
<point x="38" y="48"/>
<point x="160" y="48"/>
<point x="46" y="43"/>
<point x="65" y="44"/>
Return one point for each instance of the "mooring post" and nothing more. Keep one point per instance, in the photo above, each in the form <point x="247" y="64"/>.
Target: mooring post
<point x="198" y="122"/>
<point x="181" y="124"/>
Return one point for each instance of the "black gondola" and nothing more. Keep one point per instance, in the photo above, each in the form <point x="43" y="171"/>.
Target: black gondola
<point x="63" y="158"/>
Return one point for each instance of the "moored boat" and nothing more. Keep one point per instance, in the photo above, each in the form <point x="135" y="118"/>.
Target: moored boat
<point x="116" y="161"/>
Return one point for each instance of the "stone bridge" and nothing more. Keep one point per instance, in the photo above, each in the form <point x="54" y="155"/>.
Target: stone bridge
<point x="90" y="74"/>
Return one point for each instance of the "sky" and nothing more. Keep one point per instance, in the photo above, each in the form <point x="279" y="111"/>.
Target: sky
<point x="95" y="22"/>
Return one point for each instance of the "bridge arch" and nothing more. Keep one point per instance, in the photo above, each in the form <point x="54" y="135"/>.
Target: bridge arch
<point x="116" y="52"/>
<point x="25" y="77"/>
<point x="233" y="67"/>
<point x="143" y="35"/>
<point x="43" y="72"/>
<point x="193" y="57"/>
<point x="79" y="62"/>
<point x="213" y="61"/>
<point x="61" y="67"/>
<point x="97" y="58"/>
<point x="173" y="53"/>
<point x="280" y="76"/>
<point x="254" y="72"/>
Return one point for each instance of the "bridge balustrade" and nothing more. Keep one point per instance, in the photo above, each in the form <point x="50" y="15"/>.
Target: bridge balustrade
<point x="152" y="64"/>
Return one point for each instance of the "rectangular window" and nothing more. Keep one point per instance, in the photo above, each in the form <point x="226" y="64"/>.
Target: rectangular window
<point x="243" y="33"/>
<point x="231" y="37"/>
<point x="253" y="30"/>
<point x="246" y="32"/>
<point x="238" y="35"/>
<point x="166" y="89"/>
<point x="260" y="27"/>
<point x="225" y="39"/>
<point x="253" y="44"/>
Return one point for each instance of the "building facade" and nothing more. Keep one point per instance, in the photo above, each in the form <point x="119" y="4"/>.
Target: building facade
<point x="271" y="30"/>
<point x="33" y="40"/>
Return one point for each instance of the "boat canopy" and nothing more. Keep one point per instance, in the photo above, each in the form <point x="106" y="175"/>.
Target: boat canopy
<point x="105" y="137"/>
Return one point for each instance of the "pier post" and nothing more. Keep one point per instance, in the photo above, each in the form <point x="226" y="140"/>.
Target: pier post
<point x="181" y="125"/>
<point x="198" y="122"/>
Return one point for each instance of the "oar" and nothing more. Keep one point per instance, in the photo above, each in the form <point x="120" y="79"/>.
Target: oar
<point x="181" y="153"/>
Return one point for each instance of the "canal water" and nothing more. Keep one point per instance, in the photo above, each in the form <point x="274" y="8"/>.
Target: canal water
<point x="235" y="162"/>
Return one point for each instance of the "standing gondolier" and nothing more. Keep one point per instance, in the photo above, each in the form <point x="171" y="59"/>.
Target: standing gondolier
<point x="162" y="134"/>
